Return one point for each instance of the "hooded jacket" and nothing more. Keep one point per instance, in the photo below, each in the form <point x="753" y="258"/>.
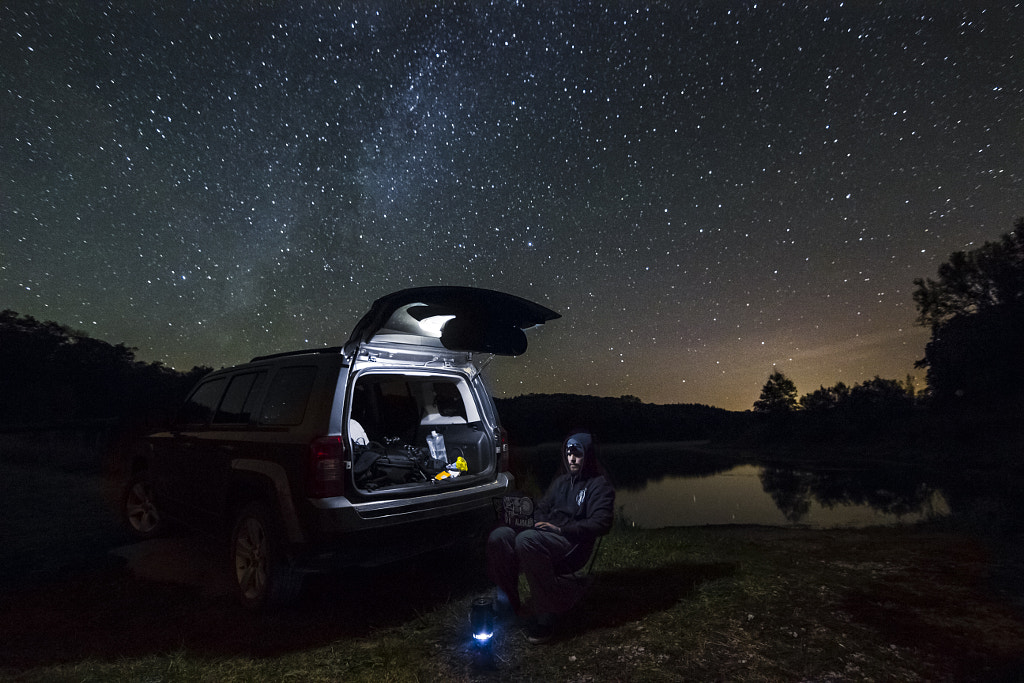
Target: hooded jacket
<point x="581" y="505"/>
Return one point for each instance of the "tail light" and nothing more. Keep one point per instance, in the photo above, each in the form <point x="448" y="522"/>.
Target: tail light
<point x="501" y="439"/>
<point x="327" y="467"/>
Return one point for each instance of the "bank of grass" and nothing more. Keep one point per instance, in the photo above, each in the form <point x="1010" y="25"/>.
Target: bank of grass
<point x="711" y="603"/>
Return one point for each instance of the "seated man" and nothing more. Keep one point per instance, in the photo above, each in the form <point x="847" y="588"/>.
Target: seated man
<point x="578" y="507"/>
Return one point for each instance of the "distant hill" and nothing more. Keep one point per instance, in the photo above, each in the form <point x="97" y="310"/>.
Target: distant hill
<point x="539" y="418"/>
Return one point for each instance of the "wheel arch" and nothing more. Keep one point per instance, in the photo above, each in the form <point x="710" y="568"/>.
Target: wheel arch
<point x="137" y="460"/>
<point x="268" y="481"/>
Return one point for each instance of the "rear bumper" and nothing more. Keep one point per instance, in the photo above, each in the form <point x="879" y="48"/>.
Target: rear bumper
<point x="382" y="531"/>
<point x="393" y="544"/>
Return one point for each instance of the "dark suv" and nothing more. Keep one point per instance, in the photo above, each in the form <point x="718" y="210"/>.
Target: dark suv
<point x="380" y="449"/>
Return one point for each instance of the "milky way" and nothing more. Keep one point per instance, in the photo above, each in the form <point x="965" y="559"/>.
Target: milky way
<point x="706" y="191"/>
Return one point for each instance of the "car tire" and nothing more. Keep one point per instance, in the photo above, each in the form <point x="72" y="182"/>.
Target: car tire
<point x="139" y="509"/>
<point x="263" y="573"/>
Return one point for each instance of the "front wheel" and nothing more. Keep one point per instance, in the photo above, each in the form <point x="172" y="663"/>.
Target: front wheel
<point x="263" y="574"/>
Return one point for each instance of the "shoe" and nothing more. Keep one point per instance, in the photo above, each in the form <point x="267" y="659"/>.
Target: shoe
<point x="541" y="630"/>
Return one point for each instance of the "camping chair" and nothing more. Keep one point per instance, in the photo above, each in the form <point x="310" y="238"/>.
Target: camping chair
<point x="580" y="581"/>
<point x="593" y="556"/>
<point x="583" y="575"/>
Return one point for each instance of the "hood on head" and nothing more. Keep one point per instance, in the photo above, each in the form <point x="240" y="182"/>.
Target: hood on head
<point x="584" y="440"/>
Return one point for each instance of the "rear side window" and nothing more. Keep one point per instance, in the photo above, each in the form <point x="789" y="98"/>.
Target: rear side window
<point x="239" y="400"/>
<point x="288" y="396"/>
<point x="199" y="408"/>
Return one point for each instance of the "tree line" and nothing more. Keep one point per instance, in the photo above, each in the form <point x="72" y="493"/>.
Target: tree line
<point x="542" y="418"/>
<point x="52" y="375"/>
<point x="975" y="357"/>
<point x="779" y="394"/>
<point x="974" y="396"/>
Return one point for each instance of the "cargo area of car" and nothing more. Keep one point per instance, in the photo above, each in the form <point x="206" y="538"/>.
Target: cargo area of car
<point x="409" y="432"/>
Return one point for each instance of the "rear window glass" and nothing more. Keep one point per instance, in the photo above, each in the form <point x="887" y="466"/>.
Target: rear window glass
<point x="400" y="407"/>
<point x="240" y="399"/>
<point x="287" y="396"/>
<point x="199" y="407"/>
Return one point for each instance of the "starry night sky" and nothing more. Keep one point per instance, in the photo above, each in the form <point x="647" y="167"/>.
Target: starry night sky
<point x="706" y="191"/>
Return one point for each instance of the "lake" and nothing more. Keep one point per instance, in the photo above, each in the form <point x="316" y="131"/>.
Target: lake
<point x="691" y="484"/>
<point x="751" y="494"/>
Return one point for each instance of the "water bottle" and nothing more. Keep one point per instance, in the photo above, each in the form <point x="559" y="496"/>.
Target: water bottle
<point x="435" y="442"/>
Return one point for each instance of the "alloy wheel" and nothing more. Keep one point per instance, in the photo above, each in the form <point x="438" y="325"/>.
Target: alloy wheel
<point x="251" y="560"/>
<point x="140" y="510"/>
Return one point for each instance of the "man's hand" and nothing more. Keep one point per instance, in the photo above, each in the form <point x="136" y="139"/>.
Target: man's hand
<point x="547" y="526"/>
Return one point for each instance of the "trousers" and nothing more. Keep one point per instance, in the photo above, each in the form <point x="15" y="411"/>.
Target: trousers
<point x="544" y="558"/>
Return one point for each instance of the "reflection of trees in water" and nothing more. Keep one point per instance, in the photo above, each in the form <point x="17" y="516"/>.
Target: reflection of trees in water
<point x="893" y="491"/>
<point x="791" y="491"/>
<point x="632" y="470"/>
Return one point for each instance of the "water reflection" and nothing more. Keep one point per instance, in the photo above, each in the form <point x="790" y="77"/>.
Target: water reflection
<point x="750" y="494"/>
<point x="659" y="485"/>
<point x="891" y="492"/>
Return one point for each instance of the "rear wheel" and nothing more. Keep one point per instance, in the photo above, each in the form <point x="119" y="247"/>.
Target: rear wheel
<point x="139" y="508"/>
<point x="263" y="574"/>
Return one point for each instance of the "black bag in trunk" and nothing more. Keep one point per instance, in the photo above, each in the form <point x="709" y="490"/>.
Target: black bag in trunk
<point x="376" y="466"/>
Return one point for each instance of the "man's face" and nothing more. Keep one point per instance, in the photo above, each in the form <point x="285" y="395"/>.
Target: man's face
<point x="574" y="455"/>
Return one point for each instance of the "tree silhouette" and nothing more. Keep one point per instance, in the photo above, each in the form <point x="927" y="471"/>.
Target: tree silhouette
<point x="51" y="374"/>
<point x="887" y="395"/>
<point x="976" y="313"/>
<point x="825" y="399"/>
<point x="778" y="395"/>
<point x="986" y="278"/>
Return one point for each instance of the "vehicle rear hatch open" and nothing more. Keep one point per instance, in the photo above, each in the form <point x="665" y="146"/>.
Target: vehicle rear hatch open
<point x="454" y="318"/>
<point x="413" y="376"/>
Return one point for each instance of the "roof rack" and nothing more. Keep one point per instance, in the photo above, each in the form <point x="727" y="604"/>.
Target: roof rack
<point x="284" y="354"/>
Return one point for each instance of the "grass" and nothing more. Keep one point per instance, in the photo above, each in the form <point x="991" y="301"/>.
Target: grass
<point x="935" y="602"/>
<point x="712" y="603"/>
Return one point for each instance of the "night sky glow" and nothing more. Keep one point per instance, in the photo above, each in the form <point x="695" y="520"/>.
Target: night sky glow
<point x="706" y="191"/>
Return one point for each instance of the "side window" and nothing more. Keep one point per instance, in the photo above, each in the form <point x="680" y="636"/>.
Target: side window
<point x="199" y="407"/>
<point x="287" y="396"/>
<point x="448" y="401"/>
<point x="239" y="400"/>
